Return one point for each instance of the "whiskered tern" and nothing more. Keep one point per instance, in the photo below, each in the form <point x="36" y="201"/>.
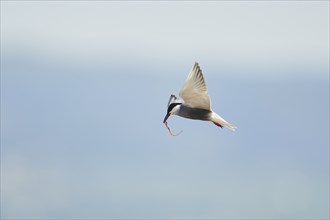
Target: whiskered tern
<point x="196" y="103"/>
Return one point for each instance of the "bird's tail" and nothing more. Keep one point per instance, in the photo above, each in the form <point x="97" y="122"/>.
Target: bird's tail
<point x="219" y="121"/>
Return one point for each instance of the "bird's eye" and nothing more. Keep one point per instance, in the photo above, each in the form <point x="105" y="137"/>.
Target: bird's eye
<point x="170" y="108"/>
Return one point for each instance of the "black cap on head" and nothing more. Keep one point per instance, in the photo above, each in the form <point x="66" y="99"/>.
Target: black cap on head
<point x="169" y="109"/>
<point x="171" y="106"/>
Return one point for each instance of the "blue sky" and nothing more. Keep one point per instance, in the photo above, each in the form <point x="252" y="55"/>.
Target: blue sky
<point x="84" y="88"/>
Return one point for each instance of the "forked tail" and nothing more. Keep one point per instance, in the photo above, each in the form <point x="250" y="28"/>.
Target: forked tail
<point x="219" y="121"/>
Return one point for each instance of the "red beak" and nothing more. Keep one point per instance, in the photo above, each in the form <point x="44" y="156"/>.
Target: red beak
<point x="166" y="117"/>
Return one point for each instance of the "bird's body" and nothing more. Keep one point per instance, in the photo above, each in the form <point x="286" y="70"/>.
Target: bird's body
<point x="196" y="102"/>
<point x="194" y="113"/>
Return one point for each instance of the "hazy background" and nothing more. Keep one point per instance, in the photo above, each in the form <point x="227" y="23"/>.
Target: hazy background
<point x="84" y="89"/>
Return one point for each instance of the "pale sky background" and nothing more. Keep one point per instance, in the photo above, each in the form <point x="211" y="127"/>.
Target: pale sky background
<point x="84" y="89"/>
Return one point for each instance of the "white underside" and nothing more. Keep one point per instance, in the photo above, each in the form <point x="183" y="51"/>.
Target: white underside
<point x="218" y="119"/>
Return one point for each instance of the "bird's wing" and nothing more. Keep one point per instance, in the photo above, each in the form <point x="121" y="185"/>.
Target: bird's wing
<point x="194" y="91"/>
<point x="172" y="99"/>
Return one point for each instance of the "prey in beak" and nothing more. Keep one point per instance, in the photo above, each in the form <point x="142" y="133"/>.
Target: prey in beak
<point x="168" y="128"/>
<point x="173" y="107"/>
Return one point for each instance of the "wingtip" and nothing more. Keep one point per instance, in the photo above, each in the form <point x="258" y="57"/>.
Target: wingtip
<point x="196" y="67"/>
<point x="232" y="127"/>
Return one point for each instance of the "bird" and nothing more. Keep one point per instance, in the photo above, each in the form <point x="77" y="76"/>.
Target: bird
<point x="195" y="103"/>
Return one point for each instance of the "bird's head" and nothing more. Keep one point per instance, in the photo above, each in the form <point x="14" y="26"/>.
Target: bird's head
<point x="173" y="108"/>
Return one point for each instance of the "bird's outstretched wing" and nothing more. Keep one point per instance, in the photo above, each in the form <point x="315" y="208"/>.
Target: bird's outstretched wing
<point x="172" y="99"/>
<point x="194" y="91"/>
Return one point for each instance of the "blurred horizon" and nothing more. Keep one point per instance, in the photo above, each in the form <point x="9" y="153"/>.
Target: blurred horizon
<point x="84" y="89"/>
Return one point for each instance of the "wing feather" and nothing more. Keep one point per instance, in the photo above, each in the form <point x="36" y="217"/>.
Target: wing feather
<point x="194" y="91"/>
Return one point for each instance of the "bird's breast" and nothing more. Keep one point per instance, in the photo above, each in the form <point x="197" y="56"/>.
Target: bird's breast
<point x="194" y="113"/>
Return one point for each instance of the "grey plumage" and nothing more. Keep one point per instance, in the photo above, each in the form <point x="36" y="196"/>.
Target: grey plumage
<point x="197" y="103"/>
<point x="194" y="113"/>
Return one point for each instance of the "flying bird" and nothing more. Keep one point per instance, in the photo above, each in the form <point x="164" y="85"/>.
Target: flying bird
<point x="195" y="103"/>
